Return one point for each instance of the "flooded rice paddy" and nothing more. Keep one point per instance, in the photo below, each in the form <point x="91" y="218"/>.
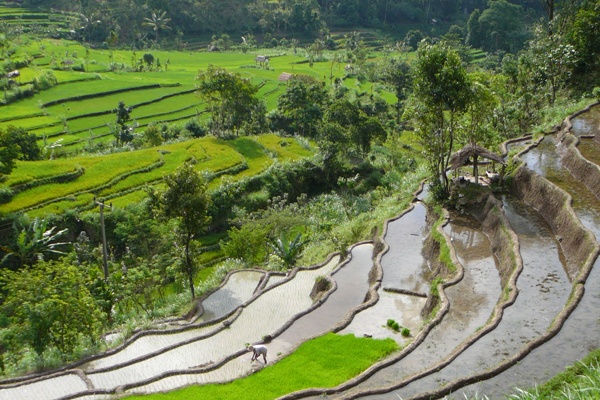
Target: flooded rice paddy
<point x="469" y="341"/>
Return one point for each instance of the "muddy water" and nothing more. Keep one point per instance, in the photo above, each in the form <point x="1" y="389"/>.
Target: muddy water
<point x="545" y="161"/>
<point x="472" y="301"/>
<point x="46" y="389"/>
<point x="471" y="310"/>
<point x="352" y="280"/>
<point x="352" y="287"/>
<point x="404" y="264"/>
<point x="263" y="316"/>
<point x="402" y="268"/>
<point x="544" y="288"/>
<point x="238" y="289"/>
<point x="579" y="336"/>
<point x="590" y="149"/>
<point x="407" y="233"/>
<point x="581" y="332"/>
<point x="587" y="123"/>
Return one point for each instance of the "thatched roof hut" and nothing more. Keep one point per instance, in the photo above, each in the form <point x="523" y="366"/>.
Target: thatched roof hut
<point x="473" y="151"/>
<point x="463" y="156"/>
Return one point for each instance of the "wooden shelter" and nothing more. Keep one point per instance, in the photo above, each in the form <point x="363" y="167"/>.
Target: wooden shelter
<point x="469" y="155"/>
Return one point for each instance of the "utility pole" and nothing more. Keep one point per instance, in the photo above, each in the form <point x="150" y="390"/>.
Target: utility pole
<point x="104" y="247"/>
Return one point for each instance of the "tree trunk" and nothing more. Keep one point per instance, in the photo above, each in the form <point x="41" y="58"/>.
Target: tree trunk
<point x="188" y="266"/>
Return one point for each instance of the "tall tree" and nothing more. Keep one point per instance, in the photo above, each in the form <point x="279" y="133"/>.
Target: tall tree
<point x="231" y="100"/>
<point x="50" y="305"/>
<point x="158" y="21"/>
<point x="554" y="60"/>
<point x="584" y="35"/>
<point x="185" y="199"/>
<point x="502" y="26"/>
<point x="398" y="75"/>
<point x="440" y="94"/>
<point x="302" y="105"/>
<point x="9" y="153"/>
<point x="123" y="133"/>
<point x="27" y="147"/>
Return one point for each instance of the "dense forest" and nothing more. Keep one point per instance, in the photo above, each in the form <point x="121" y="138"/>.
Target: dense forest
<point x="134" y="21"/>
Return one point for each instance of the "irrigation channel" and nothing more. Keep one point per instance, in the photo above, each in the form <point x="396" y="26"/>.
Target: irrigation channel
<point x="492" y="332"/>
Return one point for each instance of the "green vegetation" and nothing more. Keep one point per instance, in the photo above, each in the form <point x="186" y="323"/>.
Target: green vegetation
<point x="339" y="359"/>
<point x="110" y="100"/>
<point x="579" y="381"/>
<point x="113" y="175"/>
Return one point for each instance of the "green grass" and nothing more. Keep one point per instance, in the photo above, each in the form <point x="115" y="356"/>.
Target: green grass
<point x="579" y="381"/>
<point x="326" y="361"/>
<point x="117" y="176"/>
<point x="284" y="148"/>
<point x="59" y="103"/>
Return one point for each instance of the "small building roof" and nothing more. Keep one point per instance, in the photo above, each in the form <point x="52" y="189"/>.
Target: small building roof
<point x="285" y="76"/>
<point x="261" y="58"/>
<point x="462" y="157"/>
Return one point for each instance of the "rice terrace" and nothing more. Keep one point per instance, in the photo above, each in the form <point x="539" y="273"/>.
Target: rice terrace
<point x="299" y="200"/>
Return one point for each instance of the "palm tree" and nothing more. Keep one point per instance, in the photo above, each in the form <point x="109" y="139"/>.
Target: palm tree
<point x="157" y="21"/>
<point x="33" y="243"/>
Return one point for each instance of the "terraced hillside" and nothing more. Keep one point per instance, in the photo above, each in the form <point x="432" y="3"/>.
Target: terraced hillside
<point x="519" y="305"/>
<point x="52" y="186"/>
<point x="78" y="111"/>
<point x="56" y="24"/>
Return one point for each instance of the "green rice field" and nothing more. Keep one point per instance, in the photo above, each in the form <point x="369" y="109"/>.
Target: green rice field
<point x="53" y="186"/>
<point x="79" y="111"/>
<point x="80" y="106"/>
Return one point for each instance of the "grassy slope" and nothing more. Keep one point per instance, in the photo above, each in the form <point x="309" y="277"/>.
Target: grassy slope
<point x="111" y="175"/>
<point x="63" y="121"/>
<point x="322" y="362"/>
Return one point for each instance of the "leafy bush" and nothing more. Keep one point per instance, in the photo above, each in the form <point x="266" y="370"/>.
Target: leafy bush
<point x="196" y="128"/>
<point x="405" y="332"/>
<point x="17" y="93"/>
<point x="596" y="93"/>
<point x="6" y="194"/>
<point x="44" y="81"/>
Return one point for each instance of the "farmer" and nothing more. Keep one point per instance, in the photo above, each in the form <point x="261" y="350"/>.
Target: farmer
<point x="257" y="351"/>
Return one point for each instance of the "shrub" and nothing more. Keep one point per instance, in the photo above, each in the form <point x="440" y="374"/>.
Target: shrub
<point x="390" y="322"/>
<point x="596" y="93"/>
<point x="45" y="81"/>
<point x="6" y="194"/>
<point x="405" y="332"/>
<point x="196" y="128"/>
<point x="396" y="326"/>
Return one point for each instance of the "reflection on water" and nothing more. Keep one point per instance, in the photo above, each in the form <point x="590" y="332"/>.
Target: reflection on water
<point x="472" y="300"/>
<point x="587" y="123"/>
<point x="584" y="203"/>
<point x="403" y="264"/>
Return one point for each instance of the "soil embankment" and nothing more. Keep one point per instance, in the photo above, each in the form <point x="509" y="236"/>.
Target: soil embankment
<point x="578" y="244"/>
<point x="504" y="242"/>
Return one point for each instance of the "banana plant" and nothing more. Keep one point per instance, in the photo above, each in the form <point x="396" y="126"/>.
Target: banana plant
<point x="33" y="243"/>
<point x="289" y="251"/>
